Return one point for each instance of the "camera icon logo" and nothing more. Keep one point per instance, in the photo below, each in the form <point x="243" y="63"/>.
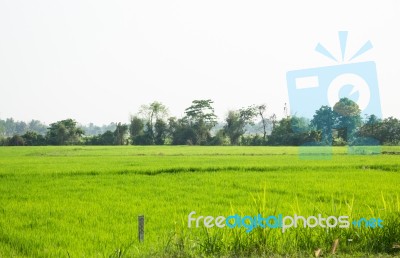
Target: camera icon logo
<point x="310" y="89"/>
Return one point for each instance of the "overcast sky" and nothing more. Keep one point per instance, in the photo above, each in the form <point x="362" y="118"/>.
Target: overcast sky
<point x="98" y="61"/>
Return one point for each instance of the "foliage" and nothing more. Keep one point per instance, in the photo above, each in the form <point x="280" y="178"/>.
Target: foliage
<point x="261" y="112"/>
<point x="182" y="133"/>
<point x="155" y="111"/>
<point x="201" y="118"/>
<point x="107" y="138"/>
<point x="161" y="131"/>
<point x="347" y="119"/>
<point x="323" y="121"/>
<point x="92" y="129"/>
<point x="220" y="138"/>
<point x="16" y="140"/>
<point x="236" y="122"/>
<point x="386" y="131"/>
<point x="32" y="138"/>
<point x="292" y="131"/>
<point x="250" y="126"/>
<point x="10" y="127"/>
<point x="64" y="132"/>
<point x="120" y="134"/>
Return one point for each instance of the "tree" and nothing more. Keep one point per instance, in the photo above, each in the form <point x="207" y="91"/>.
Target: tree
<point x="161" y="130"/>
<point x="64" y="132"/>
<point x="390" y="131"/>
<point x="274" y="120"/>
<point x="20" y="127"/>
<point x="151" y="113"/>
<point x="291" y="131"/>
<point x="347" y="117"/>
<point x="386" y="131"/>
<point x="37" y="126"/>
<point x="281" y="133"/>
<point x="107" y="138"/>
<point x="16" y="140"/>
<point x="234" y="127"/>
<point x="136" y="129"/>
<point x="2" y="128"/>
<point x="32" y="138"/>
<point x="92" y="129"/>
<point x="219" y="138"/>
<point x="370" y="129"/>
<point x="181" y="131"/>
<point x="201" y="118"/>
<point x="323" y="121"/>
<point x="236" y="122"/>
<point x="120" y="134"/>
<point x="141" y="134"/>
<point x="264" y="121"/>
<point x="371" y="125"/>
<point x="9" y="127"/>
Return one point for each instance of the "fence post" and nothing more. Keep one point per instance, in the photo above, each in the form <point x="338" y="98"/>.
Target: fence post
<point x="141" y="228"/>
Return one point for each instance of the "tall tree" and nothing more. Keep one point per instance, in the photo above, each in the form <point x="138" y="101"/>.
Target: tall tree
<point x="120" y="134"/>
<point x="9" y="127"/>
<point x="236" y="122"/>
<point x="274" y="120"/>
<point x="151" y="113"/>
<point x="323" y="121"/>
<point x="161" y="131"/>
<point x="201" y="117"/>
<point x="234" y="127"/>
<point x="348" y="118"/>
<point x="261" y="110"/>
<point x="136" y="129"/>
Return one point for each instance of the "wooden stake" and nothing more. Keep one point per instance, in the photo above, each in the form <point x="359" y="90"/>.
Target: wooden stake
<point x="335" y="246"/>
<point x="141" y="228"/>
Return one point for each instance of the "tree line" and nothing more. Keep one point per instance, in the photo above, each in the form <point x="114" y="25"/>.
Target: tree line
<point x="339" y="125"/>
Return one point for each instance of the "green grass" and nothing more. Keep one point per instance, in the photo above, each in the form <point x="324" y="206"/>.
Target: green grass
<point x="84" y="201"/>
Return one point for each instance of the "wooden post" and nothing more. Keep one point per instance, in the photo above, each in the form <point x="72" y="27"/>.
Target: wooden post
<point x="335" y="246"/>
<point x="141" y="228"/>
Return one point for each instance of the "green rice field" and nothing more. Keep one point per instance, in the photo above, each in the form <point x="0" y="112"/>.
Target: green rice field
<point x="78" y="201"/>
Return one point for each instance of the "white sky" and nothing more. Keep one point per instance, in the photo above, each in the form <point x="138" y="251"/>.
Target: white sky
<point x="98" y="61"/>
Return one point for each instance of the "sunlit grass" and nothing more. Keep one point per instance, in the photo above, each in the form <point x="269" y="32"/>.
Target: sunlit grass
<point x="84" y="201"/>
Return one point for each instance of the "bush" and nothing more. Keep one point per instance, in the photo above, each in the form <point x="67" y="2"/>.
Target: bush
<point x="338" y="141"/>
<point x="16" y="140"/>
